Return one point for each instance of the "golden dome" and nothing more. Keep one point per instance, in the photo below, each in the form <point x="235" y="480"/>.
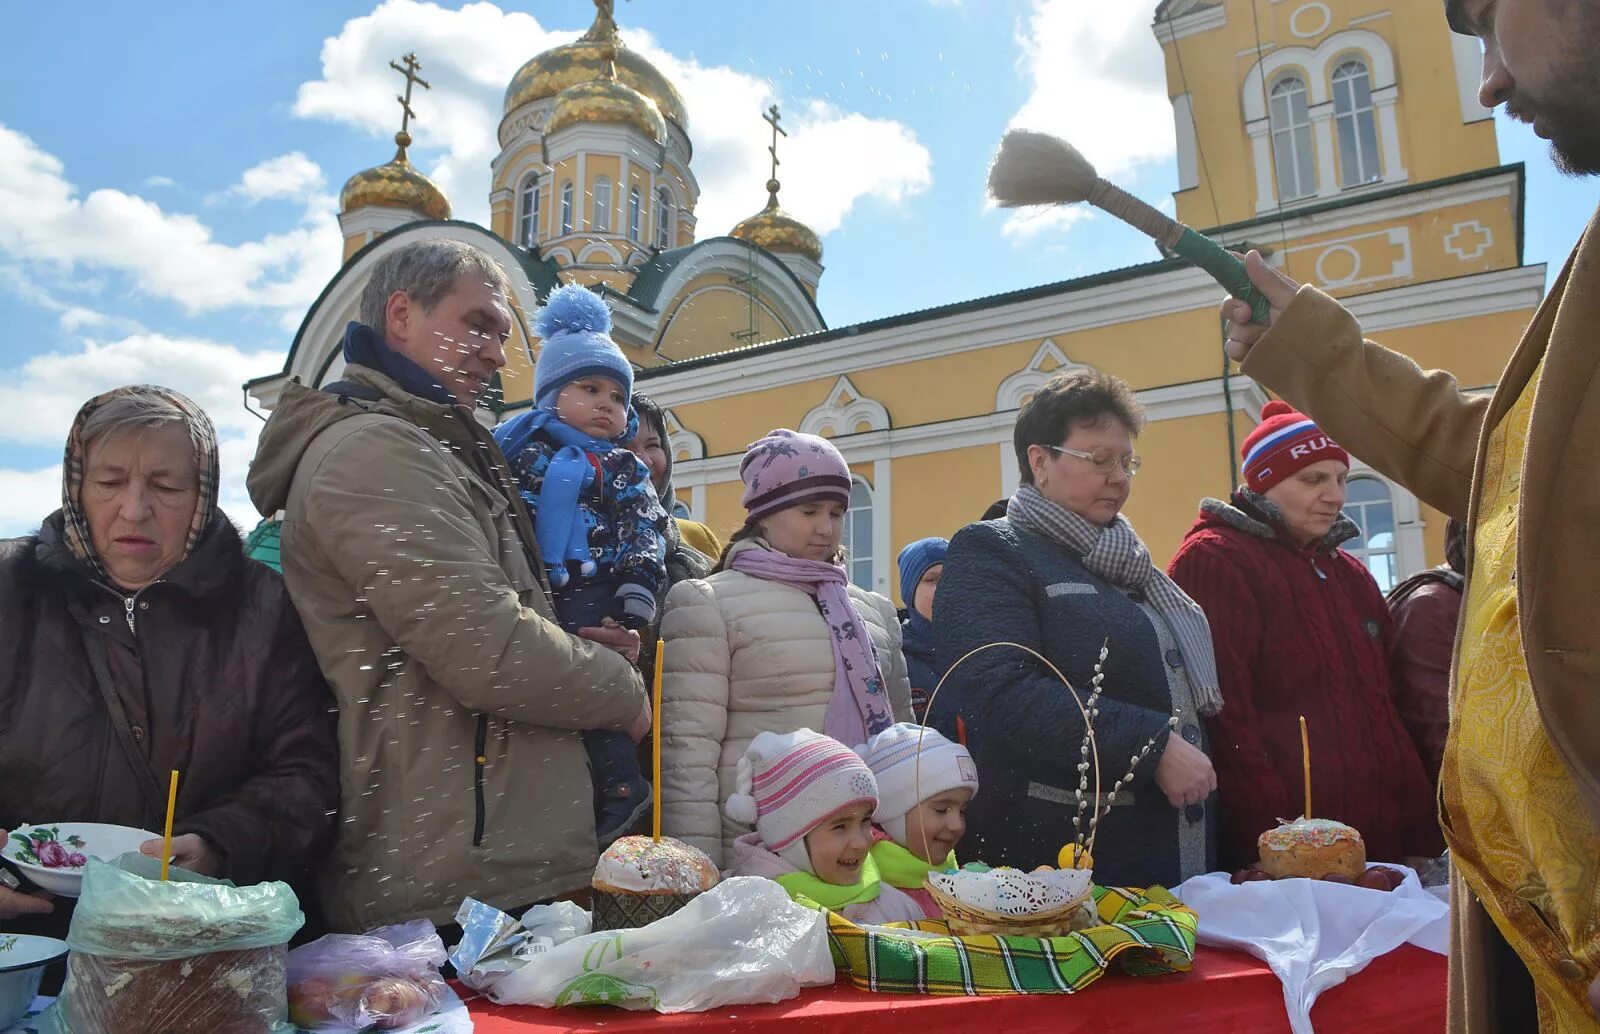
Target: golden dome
<point x="395" y="185"/>
<point x="606" y="100"/>
<point x="776" y="231"/>
<point x="586" y="59"/>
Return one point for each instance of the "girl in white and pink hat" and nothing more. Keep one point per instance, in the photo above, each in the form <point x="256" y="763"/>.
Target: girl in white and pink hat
<point x="811" y="800"/>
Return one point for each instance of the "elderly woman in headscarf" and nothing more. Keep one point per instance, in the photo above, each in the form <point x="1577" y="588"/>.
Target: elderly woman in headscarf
<point x="1064" y="574"/>
<point x="139" y="639"/>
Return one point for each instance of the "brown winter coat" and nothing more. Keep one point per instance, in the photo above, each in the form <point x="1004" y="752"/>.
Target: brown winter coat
<point x="460" y="698"/>
<point x="214" y="678"/>
<point x="1421" y="430"/>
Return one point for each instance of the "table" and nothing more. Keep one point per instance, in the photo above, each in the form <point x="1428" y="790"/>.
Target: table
<point x="1226" y="992"/>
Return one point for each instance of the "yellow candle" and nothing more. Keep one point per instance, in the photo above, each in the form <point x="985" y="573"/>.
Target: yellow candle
<point x="1305" y="762"/>
<point x="166" y="837"/>
<point x="655" y="738"/>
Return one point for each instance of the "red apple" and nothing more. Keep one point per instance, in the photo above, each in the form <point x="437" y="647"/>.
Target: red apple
<point x="1373" y="879"/>
<point x="1336" y="877"/>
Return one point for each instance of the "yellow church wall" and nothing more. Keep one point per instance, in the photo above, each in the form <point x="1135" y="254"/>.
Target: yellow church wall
<point x="1434" y="143"/>
<point x="946" y="387"/>
<point x="932" y="494"/>
<point x="724" y="512"/>
<point x="731" y="423"/>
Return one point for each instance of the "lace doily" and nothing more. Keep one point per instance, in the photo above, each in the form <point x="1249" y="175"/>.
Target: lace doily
<point x="1013" y="892"/>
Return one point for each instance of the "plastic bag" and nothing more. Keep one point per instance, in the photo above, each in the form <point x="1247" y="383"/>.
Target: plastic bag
<point x="191" y="953"/>
<point x="493" y="943"/>
<point x="741" y="942"/>
<point x="386" y="978"/>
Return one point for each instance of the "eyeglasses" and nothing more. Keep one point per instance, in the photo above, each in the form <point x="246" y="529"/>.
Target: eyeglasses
<point x="1104" y="461"/>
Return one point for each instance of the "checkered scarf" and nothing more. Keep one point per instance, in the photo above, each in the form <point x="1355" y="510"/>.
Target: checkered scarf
<point x="1117" y="554"/>
<point x="79" y="539"/>
<point x="1146" y="932"/>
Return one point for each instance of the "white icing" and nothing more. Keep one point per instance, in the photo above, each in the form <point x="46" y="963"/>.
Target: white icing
<point x="642" y="866"/>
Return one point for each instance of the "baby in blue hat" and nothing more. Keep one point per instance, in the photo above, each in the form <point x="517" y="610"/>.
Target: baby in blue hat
<point x="599" y="525"/>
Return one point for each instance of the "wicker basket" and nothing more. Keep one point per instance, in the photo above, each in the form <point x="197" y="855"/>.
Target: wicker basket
<point x="624" y="911"/>
<point x="966" y="920"/>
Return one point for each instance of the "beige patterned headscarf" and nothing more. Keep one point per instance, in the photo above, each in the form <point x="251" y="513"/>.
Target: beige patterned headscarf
<point x="201" y="431"/>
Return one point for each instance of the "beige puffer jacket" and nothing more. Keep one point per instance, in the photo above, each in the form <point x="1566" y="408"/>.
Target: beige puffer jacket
<point x="746" y="656"/>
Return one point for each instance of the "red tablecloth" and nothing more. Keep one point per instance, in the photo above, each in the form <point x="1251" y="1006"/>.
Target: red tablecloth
<point x="1226" y="992"/>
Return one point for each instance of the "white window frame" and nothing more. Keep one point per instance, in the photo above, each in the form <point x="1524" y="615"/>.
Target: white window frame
<point x="1291" y="139"/>
<point x="528" y="214"/>
<point x="566" y="208"/>
<point x="664" y="218"/>
<point x="861" y="511"/>
<point x="601" y="223"/>
<point x="1363" y="122"/>
<point x="1358" y="513"/>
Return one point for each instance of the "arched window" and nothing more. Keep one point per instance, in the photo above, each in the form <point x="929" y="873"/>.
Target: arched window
<point x="1370" y="504"/>
<point x="664" y="219"/>
<point x="1357" y="125"/>
<point x="1291" y="139"/>
<point x="528" y="211"/>
<point x="567" y="207"/>
<point x="602" y="206"/>
<point x="635" y="215"/>
<point x="858" y="533"/>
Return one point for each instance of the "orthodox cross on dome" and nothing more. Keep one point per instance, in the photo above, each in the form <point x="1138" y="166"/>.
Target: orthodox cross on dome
<point x="771" y="117"/>
<point x="403" y="138"/>
<point x="605" y="21"/>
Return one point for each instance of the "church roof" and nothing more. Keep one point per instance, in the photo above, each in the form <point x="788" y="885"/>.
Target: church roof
<point x="587" y="59"/>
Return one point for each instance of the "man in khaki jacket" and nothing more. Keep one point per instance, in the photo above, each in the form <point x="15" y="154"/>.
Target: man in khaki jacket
<point x="1520" y="783"/>
<point x="413" y="564"/>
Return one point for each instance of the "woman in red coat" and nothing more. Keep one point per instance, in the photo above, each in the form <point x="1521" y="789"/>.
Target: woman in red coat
<point x="1300" y="628"/>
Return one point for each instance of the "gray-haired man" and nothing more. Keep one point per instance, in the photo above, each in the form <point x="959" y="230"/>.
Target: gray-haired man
<point x="413" y="563"/>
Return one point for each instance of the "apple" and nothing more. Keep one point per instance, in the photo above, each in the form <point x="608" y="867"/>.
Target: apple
<point x="1336" y="877"/>
<point x="1374" y="879"/>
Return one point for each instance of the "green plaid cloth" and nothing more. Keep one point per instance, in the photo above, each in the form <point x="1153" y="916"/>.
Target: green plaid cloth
<point x="1148" y="932"/>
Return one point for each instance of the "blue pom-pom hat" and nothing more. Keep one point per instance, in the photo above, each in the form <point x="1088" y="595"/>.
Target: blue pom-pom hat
<point x="575" y="328"/>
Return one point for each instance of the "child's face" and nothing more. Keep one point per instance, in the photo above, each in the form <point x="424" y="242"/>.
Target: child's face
<point x="839" y="846"/>
<point x="811" y="530"/>
<point x="594" y="405"/>
<point x="922" y="599"/>
<point x="936" y="826"/>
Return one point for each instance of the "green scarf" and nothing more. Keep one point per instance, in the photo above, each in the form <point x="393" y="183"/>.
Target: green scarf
<point x="899" y="867"/>
<point x="833" y="896"/>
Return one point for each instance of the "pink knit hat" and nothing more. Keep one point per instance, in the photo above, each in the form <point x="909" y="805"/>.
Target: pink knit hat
<point x="787" y="784"/>
<point x="787" y="468"/>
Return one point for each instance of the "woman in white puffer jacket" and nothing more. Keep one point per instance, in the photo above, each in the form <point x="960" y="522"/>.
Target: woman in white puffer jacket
<point x="775" y="640"/>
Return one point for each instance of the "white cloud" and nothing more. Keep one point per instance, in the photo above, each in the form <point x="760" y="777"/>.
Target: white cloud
<point x="1028" y="224"/>
<point x="44" y="223"/>
<point x="291" y="176"/>
<point x="42" y="396"/>
<point x="77" y="317"/>
<point x="1098" y="81"/>
<point x="160" y="181"/>
<point x="462" y="112"/>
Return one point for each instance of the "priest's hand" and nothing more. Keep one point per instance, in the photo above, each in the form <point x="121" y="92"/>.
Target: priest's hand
<point x="1279" y="291"/>
<point x="189" y="851"/>
<point x="1184" y="773"/>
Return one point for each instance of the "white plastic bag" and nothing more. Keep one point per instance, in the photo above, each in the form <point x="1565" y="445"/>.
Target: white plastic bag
<point x="743" y="941"/>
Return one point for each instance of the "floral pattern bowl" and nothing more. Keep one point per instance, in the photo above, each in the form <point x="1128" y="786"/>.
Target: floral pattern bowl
<point x="53" y="854"/>
<point x="23" y="958"/>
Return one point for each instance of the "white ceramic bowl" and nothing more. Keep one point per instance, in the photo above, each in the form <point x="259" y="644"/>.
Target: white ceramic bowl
<point x="23" y="958"/>
<point x="89" y="839"/>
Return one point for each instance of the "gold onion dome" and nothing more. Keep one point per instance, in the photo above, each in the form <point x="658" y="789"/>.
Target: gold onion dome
<point x="606" y="100"/>
<point x="395" y="185"/>
<point x="585" y="60"/>
<point x="775" y="230"/>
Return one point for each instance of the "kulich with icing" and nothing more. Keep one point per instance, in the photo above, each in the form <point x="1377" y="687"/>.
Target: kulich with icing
<point x="642" y="865"/>
<point x="640" y="880"/>
<point x="1312" y="848"/>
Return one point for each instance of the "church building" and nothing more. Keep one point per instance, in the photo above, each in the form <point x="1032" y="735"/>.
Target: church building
<point x="1343" y="138"/>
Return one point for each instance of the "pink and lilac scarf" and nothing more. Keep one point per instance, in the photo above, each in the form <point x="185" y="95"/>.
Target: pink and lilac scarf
<point x="859" y="707"/>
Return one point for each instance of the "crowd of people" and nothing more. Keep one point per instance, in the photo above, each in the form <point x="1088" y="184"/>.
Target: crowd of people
<point x="441" y="694"/>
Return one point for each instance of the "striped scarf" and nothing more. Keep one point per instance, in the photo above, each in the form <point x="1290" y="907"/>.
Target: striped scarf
<point x="79" y="539"/>
<point x="1116" y="553"/>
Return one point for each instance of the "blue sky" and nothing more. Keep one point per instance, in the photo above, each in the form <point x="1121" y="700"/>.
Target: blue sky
<point x="137" y="243"/>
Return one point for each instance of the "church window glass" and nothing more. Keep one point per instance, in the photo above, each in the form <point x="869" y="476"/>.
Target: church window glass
<point x="1291" y="139"/>
<point x="528" y="211"/>
<point x="602" y="206"/>
<point x="635" y="215"/>
<point x="566" y="207"/>
<point x="1356" y="123"/>
<point x="664" y="219"/>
